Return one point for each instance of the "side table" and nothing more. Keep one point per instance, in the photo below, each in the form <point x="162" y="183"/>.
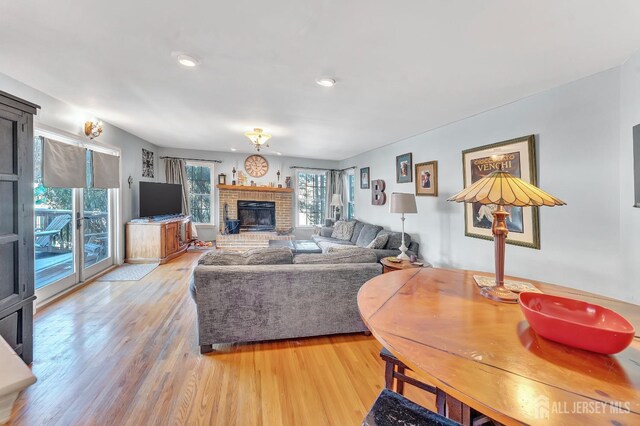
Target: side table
<point x="390" y="266"/>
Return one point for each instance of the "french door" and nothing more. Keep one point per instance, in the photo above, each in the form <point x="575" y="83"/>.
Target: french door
<point x="74" y="232"/>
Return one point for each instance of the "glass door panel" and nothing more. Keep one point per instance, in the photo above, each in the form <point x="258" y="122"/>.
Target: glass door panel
<point x="96" y="229"/>
<point x="54" y="228"/>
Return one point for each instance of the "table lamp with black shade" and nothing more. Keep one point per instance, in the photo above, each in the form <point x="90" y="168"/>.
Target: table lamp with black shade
<point x="501" y="189"/>
<point x="403" y="203"/>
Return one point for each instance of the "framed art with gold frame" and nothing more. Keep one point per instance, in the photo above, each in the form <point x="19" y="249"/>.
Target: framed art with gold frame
<point x="518" y="157"/>
<point x="426" y="176"/>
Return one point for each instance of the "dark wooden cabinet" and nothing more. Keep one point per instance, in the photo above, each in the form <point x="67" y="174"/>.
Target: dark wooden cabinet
<point x="16" y="224"/>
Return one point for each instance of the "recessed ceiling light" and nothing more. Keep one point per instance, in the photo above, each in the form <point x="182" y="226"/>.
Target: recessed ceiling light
<point x="187" y="60"/>
<point x="233" y="149"/>
<point x="326" y="81"/>
<point x="278" y="153"/>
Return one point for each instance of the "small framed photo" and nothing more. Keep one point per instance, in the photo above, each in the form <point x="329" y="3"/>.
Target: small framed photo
<point x="222" y="179"/>
<point x="427" y="179"/>
<point x="404" y="168"/>
<point x="365" y="178"/>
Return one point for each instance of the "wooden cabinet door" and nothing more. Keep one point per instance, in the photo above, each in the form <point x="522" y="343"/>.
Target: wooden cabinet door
<point x="16" y="206"/>
<point x="171" y="237"/>
<point x="16" y="225"/>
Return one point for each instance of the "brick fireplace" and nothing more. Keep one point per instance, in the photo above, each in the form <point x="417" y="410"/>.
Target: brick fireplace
<point x="282" y="197"/>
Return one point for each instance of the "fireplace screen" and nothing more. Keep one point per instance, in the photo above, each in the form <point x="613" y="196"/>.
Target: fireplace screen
<point x="257" y="215"/>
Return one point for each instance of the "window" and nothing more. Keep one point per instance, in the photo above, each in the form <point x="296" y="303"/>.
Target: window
<point x="351" y="195"/>
<point x="312" y="198"/>
<point x="200" y="187"/>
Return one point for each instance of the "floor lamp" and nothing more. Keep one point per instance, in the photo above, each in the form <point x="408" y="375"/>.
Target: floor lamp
<point x="403" y="203"/>
<point x="501" y="189"/>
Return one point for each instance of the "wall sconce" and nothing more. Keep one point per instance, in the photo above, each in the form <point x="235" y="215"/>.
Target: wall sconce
<point x="93" y="129"/>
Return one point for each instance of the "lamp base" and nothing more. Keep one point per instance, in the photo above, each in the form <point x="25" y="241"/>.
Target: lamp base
<point x="499" y="293"/>
<point x="403" y="256"/>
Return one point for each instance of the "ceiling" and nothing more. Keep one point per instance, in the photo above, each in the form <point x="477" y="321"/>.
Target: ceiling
<point x="402" y="67"/>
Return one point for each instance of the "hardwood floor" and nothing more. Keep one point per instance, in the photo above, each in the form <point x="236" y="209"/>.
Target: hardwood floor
<point x="118" y="353"/>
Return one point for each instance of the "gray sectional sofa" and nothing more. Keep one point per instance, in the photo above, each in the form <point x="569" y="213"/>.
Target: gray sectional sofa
<point x="268" y="294"/>
<point x="363" y="234"/>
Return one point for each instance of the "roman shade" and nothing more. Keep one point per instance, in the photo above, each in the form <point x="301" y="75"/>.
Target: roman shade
<point x="63" y="165"/>
<point x="106" y="170"/>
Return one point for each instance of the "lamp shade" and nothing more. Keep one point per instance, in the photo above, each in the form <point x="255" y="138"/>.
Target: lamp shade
<point x="504" y="189"/>
<point x="336" y="200"/>
<point x="257" y="136"/>
<point x="402" y="203"/>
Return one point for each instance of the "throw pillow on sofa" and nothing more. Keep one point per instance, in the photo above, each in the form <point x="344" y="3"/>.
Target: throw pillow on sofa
<point x="395" y="239"/>
<point x="379" y="242"/>
<point x="343" y="230"/>
<point x="356" y="231"/>
<point x="368" y="234"/>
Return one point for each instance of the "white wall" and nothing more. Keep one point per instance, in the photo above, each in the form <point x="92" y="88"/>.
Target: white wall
<point x="629" y="216"/>
<point x="231" y="160"/>
<point x="589" y="243"/>
<point x="71" y="119"/>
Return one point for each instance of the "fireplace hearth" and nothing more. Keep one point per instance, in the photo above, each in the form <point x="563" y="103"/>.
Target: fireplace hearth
<point x="257" y="215"/>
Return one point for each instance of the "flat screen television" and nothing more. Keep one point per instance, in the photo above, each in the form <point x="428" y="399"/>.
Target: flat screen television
<point x="157" y="199"/>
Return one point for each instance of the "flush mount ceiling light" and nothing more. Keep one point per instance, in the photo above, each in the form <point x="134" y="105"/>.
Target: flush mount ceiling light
<point x="326" y="81"/>
<point x="258" y="138"/>
<point x="186" y="60"/>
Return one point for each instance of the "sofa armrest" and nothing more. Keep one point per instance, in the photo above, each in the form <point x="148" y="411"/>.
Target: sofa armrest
<point x="415" y="248"/>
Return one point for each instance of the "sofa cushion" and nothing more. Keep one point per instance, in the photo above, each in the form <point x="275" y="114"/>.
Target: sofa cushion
<point x="368" y="234"/>
<point x="379" y="242"/>
<point x="326" y="231"/>
<point x="222" y="258"/>
<point x="269" y="256"/>
<point x="259" y="256"/>
<point x="395" y="239"/>
<point x="325" y="245"/>
<point x="343" y="230"/>
<point x="342" y="256"/>
<point x="342" y="247"/>
<point x="356" y="231"/>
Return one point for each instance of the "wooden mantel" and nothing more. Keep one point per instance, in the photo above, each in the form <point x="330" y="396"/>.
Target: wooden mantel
<point x="253" y="188"/>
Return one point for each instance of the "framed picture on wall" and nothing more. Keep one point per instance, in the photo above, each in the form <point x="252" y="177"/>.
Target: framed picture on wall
<point x="404" y="166"/>
<point x="427" y="179"/>
<point x="147" y="163"/>
<point x="518" y="157"/>
<point x="365" y="178"/>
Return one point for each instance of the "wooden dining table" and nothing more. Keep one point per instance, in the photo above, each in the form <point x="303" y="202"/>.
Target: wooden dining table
<point x="484" y="357"/>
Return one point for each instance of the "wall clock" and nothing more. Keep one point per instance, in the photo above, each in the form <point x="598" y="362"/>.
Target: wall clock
<point x="256" y="166"/>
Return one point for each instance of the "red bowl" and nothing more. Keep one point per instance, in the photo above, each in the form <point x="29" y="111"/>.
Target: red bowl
<point x="576" y="323"/>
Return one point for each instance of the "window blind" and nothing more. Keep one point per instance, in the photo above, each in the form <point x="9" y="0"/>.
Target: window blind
<point x="106" y="170"/>
<point x="63" y="165"/>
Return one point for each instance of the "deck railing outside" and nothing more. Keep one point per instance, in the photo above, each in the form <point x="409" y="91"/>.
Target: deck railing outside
<point x="54" y="253"/>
